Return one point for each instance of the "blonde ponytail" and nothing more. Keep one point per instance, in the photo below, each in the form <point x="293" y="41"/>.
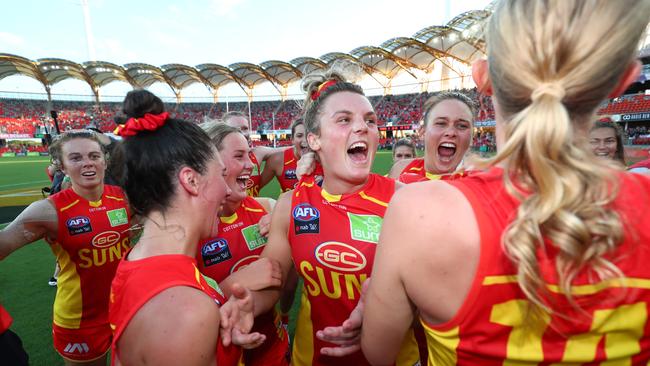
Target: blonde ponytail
<point x="548" y="81"/>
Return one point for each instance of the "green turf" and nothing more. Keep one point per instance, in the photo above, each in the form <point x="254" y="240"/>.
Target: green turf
<point x="24" y="274"/>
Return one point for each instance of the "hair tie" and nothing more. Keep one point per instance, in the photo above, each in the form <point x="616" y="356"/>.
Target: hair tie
<point x="321" y="88"/>
<point x="148" y="122"/>
<point x="553" y="89"/>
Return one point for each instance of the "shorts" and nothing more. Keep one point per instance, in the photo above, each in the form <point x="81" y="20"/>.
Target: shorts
<point x="11" y="349"/>
<point x="86" y="344"/>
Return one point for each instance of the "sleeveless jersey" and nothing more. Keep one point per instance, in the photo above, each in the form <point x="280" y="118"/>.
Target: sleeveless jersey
<point x="415" y="172"/>
<point x="253" y="185"/>
<point x="136" y="282"/>
<point x="288" y="179"/>
<point x="237" y="244"/>
<point x="5" y="319"/>
<point x="333" y="240"/>
<point x="494" y="325"/>
<point x="92" y="237"/>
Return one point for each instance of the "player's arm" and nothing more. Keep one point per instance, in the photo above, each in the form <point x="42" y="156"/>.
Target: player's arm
<point x="277" y="249"/>
<point x="398" y="167"/>
<point x="272" y="168"/>
<point x="388" y="312"/>
<point x="189" y="337"/>
<point x="262" y="153"/>
<point x="35" y="222"/>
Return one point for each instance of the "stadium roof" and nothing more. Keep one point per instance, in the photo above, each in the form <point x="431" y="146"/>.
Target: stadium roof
<point x="458" y="42"/>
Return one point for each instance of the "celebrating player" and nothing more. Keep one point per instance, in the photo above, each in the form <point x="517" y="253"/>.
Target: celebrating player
<point x="541" y="259"/>
<point x="87" y="228"/>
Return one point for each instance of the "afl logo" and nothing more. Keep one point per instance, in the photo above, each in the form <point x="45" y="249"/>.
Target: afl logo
<point x="305" y="213"/>
<point x="340" y="256"/>
<point x="214" y="247"/>
<point x="244" y="262"/>
<point x="77" y="222"/>
<point x="106" y="239"/>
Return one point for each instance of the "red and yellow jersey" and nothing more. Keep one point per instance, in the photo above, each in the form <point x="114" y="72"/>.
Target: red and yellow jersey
<point x="5" y="320"/>
<point x="253" y="187"/>
<point x="495" y="326"/>
<point x="136" y="282"/>
<point x="288" y="179"/>
<point x="92" y="238"/>
<point x="415" y="172"/>
<point x="333" y="240"/>
<point x="237" y="244"/>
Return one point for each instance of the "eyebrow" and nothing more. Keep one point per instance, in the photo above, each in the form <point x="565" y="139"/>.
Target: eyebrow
<point x="343" y="111"/>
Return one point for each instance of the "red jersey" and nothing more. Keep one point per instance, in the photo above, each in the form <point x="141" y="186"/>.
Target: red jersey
<point x="136" y="282"/>
<point x="415" y="172"/>
<point x="237" y="244"/>
<point x="333" y="240"/>
<point x="288" y="179"/>
<point x="641" y="164"/>
<point x="92" y="237"/>
<point x="253" y="187"/>
<point x="5" y="320"/>
<point x="494" y="327"/>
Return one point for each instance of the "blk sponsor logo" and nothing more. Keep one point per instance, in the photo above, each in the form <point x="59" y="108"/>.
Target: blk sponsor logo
<point x="340" y="256"/>
<point x="306" y="219"/>
<point x="118" y="217"/>
<point x="80" y="348"/>
<point x="78" y="225"/>
<point x="215" y="251"/>
<point x="365" y="227"/>
<point x="253" y="237"/>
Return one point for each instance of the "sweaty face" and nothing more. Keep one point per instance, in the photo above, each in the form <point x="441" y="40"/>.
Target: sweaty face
<point x="234" y="153"/>
<point x="348" y="137"/>
<point x="603" y="142"/>
<point x="299" y="141"/>
<point x="83" y="161"/>
<point x="403" y="152"/>
<point x="241" y="123"/>
<point x="447" y="136"/>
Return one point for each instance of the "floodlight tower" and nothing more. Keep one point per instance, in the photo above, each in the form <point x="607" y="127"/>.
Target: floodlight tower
<point x="90" y="42"/>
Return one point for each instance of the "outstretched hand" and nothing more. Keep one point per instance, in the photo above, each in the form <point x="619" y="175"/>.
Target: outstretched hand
<point x="237" y="318"/>
<point x="348" y="335"/>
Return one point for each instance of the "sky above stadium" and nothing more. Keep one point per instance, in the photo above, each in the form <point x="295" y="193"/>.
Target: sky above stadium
<point x="193" y="32"/>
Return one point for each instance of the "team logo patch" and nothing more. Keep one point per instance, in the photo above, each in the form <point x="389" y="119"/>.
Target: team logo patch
<point x="78" y="225"/>
<point x="253" y="237"/>
<point x="80" y="348"/>
<point x="106" y="239"/>
<point x="306" y="219"/>
<point x="340" y="256"/>
<point x="215" y="251"/>
<point x="365" y="227"/>
<point x="290" y="174"/>
<point x="117" y="217"/>
<point x="244" y="262"/>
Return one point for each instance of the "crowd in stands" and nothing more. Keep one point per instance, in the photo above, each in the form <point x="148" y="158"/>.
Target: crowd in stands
<point x="22" y="116"/>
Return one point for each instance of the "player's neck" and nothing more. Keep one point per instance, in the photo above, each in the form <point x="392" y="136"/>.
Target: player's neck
<point x="90" y="194"/>
<point x="166" y="233"/>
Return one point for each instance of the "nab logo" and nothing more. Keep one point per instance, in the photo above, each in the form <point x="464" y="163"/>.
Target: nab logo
<point x="306" y="219"/>
<point x="106" y="239"/>
<point x="215" y="251"/>
<point x="77" y="347"/>
<point x="305" y="212"/>
<point x="340" y="256"/>
<point x="78" y="225"/>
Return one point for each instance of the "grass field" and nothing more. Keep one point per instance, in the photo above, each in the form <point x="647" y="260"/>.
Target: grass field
<point x="23" y="275"/>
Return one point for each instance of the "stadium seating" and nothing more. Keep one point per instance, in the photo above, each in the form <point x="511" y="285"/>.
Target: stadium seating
<point x="27" y="116"/>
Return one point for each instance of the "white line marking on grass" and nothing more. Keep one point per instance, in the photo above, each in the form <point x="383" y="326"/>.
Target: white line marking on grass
<point x="24" y="183"/>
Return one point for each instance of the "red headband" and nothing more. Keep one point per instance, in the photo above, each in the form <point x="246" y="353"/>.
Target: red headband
<point x="149" y="122"/>
<point x="321" y="88"/>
